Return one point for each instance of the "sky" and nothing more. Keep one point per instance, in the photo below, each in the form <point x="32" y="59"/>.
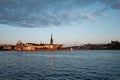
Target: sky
<point x="72" y="22"/>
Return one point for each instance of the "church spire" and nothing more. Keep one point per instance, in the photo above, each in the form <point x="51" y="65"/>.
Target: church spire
<point x="51" y="40"/>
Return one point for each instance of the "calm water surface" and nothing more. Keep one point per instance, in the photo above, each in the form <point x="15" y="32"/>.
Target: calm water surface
<point x="60" y="65"/>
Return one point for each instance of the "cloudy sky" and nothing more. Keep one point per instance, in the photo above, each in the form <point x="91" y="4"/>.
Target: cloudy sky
<point x="72" y="22"/>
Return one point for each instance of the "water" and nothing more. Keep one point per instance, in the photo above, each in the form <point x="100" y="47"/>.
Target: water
<point x="60" y="65"/>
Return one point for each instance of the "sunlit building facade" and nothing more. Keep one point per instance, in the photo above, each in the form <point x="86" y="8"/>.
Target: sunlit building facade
<point x="33" y="46"/>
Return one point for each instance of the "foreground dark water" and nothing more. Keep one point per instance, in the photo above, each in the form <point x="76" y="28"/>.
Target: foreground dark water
<point x="60" y="65"/>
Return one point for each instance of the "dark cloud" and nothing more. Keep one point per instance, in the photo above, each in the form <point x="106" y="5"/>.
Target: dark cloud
<point x="45" y="13"/>
<point x="116" y="5"/>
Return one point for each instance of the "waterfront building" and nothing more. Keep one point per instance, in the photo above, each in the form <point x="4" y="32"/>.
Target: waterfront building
<point x="7" y="47"/>
<point x="29" y="47"/>
<point x="34" y="46"/>
<point x="19" y="45"/>
<point x="51" y="40"/>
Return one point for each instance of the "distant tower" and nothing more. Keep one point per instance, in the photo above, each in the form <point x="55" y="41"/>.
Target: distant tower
<point x="51" y="40"/>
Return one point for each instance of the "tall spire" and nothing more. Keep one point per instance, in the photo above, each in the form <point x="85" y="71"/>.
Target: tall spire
<point x="51" y="40"/>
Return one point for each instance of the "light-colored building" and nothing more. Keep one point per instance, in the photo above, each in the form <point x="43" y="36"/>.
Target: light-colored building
<point x="29" y="47"/>
<point x="33" y="46"/>
<point x="19" y="46"/>
<point x="7" y="47"/>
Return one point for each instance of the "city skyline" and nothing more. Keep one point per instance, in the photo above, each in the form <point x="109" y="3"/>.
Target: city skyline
<point x="72" y="22"/>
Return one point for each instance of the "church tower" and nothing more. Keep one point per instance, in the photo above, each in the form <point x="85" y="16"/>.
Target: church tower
<point x="51" y="40"/>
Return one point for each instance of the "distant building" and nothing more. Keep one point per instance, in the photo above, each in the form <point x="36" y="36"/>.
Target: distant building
<point x="7" y="47"/>
<point x="29" y="47"/>
<point x="52" y="46"/>
<point x="51" y="40"/>
<point x="33" y="46"/>
<point x="114" y="45"/>
<point x="1" y="47"/>
<point x="19" y="46"/>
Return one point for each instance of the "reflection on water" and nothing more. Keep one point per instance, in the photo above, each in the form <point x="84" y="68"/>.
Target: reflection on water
<point x="51" y="60"/>
<point x="60" y="65"/>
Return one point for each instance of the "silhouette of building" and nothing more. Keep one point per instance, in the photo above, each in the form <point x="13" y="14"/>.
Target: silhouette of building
<point x="114" y="45"/>
<point x="51" y="40"/>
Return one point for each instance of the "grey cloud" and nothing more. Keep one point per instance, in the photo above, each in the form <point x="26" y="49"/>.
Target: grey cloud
<point x="45" y="13"/>
<point x="101" y="12"/>
<point x="116" y="5"/>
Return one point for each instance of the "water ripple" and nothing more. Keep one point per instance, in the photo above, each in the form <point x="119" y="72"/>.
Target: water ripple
<point x="60" y="65"/>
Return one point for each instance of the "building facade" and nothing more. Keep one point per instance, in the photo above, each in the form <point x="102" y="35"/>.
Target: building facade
<point x="33" y="46"/>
